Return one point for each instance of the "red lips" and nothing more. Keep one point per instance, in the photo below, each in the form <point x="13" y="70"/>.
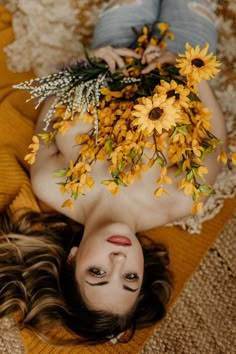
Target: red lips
<point x="119" y="240"/>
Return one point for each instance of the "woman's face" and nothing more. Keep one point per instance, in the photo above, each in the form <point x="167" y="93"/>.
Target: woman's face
<point x="109" y="271"/>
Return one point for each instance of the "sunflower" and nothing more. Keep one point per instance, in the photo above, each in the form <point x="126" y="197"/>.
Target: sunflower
<point x="173" y="89"/>
<point x="155" y="113"/>
<point x="196" y="64"/>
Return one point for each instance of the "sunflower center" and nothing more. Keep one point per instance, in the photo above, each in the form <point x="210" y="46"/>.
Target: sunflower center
<point x="172" y="93"/>
<point x="198" y="62"/>
<point x="155" y="113"/>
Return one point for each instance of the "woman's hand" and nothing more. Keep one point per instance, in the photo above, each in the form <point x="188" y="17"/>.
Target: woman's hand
<point x="113" y="56"/>
<point x="153" y="56"/>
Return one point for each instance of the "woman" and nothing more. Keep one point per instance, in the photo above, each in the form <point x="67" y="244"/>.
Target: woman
<point x="111" y="281"/>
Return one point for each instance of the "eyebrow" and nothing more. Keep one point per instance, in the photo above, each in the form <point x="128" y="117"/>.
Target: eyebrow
<point x="106" y="282"/>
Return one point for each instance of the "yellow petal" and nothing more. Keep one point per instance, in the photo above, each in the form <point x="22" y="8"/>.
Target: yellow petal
<point x="197" y="208"/>
<point x="222" y="157"/>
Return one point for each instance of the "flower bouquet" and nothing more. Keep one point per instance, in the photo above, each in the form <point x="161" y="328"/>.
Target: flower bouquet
<point x="138" y="120"/>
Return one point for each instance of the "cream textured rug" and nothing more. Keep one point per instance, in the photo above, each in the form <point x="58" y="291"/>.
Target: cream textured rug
<point x="203" y="320"/>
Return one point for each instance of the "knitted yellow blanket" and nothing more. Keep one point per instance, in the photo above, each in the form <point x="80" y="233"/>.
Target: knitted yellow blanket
<point x="16" y="124"/>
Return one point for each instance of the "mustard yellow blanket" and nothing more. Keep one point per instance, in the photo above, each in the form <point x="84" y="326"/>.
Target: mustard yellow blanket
<point x="16" y="125"/>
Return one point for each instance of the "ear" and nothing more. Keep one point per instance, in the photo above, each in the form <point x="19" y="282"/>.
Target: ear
<point x="72" y="254"/>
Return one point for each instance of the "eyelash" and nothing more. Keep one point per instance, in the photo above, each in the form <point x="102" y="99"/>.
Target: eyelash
<point x="127" y="275"/>
<point x="95" y="272"/>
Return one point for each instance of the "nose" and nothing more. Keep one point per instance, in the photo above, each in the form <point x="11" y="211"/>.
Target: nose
<point x="117" y="257"/>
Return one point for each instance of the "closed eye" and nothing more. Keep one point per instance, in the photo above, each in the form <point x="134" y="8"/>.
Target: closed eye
<point x="125" y="287"/>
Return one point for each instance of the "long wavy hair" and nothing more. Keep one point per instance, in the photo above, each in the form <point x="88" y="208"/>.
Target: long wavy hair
<point x="38" y="283"/>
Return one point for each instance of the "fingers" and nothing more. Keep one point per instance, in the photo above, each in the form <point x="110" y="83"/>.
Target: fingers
<point x="150" y="67"/>
<point x="166" y="57"/>
<point x="150" y="54"/>
<point x="126" y="52"/>
<point x="113" y="56"/>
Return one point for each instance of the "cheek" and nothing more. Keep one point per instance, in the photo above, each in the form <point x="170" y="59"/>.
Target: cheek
<point x="89" y="253"/>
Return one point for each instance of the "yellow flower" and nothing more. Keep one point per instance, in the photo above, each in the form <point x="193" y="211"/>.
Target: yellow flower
<point x="202" y="170"/>
<point x="222" y="157"/>
<point x="155" y="113"/>
<point x="35" y="146"/>
<point x="233" y="157"/>
<point x="159" y="191"/>
<point x="170" y="35"/>
<point x="200" y="117"/>
<point x="143" y="37"/>
<point x="62" y="126"/>
<point x="128" y="178"/>
<point x="111" y="186"/>
<point x="68" y="204"/>
<point x="197" y="65"/>
<point x="47" y="137"/>
<point x="30" y="158"/>
<point x="197" y="208"/>
<point x="163" y="178"/>
<point x="189" y="188"/>
<point x="186" y="164"/>
<point x="173" y="89"/>
<point x="196" y="148"/>
<point x="87" y="118"/>
<point x="59" y="111"/>
<point x="87" y="181"/>
<point x="163" y="27"/>
<point x="110" y="94"/>
<point x="175" y="152"/>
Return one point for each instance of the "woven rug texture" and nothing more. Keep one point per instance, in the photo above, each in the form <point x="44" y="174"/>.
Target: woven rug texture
<point x="203" y="320"/>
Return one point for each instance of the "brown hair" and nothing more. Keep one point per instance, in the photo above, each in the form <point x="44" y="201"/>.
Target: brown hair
<point x="37" y="281"/>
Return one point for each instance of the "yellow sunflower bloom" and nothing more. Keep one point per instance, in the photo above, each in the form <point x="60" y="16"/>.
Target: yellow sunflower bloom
<point x="155" y="113"/>
<point x="197" y="65"/>
<point x="173" y="89"/>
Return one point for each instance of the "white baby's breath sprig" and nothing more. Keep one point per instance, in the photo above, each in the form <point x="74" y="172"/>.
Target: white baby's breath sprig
<point x="71" y="87"/>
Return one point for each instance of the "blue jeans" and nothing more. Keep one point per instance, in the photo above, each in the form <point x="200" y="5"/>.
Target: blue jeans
<point x="191" y="21"/>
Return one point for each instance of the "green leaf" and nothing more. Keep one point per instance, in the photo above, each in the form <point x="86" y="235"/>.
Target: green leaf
<point x="115" y="173"/>
<point x="76" y="194"/>
<point x="108" y="145"/>
<point x="189" y="175"/>
<point x="161" y="161"/>
<point x="119" y="182"/>
<point x="193" y="97"/>
<point x="207" y="190"/>
<point x="183" y="129"/>
<point x="61" y="173"/>
<point x="132" y="154"/>
<point x="180" y="168"/>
